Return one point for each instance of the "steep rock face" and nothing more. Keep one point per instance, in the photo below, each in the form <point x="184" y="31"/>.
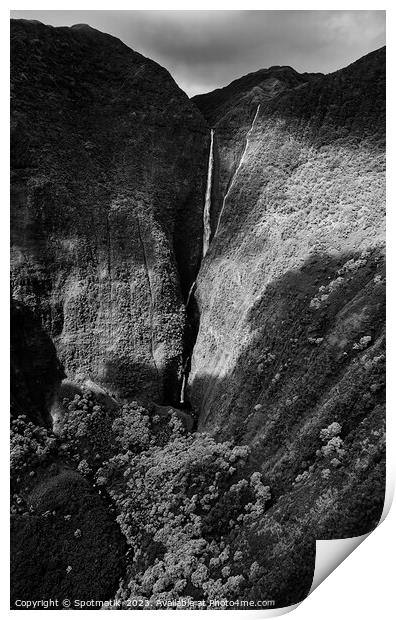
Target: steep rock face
<point x="291" y="292"/>
<point x="108" y="159"/>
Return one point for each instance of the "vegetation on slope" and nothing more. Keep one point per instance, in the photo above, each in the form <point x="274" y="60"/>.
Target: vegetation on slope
<point x="291" y="298"/>
<point x="199" y="522"/>
<point x="308" y="198"/>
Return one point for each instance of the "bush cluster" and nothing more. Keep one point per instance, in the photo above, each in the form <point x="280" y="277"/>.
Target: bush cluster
<point x="333" y="447"/>
<point x="180" y="505"/>
<point x="181" y="499"/>
<point x="349" y="268"/>
<point x="30" y="445"/>
<point x="86" y="432"/>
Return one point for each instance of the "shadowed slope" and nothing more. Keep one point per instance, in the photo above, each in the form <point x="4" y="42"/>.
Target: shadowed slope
<point x="36" y="373"/>
<point x="108" y="175"/>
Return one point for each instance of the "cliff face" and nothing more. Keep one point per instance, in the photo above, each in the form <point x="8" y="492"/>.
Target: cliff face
<point x="108" y="171"/>
<point x="291" y="292"/>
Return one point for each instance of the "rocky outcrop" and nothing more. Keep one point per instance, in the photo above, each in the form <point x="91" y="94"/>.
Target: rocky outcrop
<point x="291" y="292"/>
<point x="108" y="173"/>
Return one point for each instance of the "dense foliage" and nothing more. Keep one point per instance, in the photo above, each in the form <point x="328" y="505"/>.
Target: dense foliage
<point x="181" y="498"/>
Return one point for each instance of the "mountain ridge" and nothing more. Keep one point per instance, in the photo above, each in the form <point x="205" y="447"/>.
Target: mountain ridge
<point x="208" y="102"/>
<point x="280" y="78"/>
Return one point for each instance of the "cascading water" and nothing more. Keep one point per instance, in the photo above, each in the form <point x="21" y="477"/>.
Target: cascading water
<point x="207" y="229"/>
<point x="190" y="292"/>
<point x="184" y="383"/>
<point x="237" y="170"/>
<point x="206" y="213"/>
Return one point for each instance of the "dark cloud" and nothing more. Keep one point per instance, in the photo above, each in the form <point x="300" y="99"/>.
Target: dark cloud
<point x="207" y="49"/>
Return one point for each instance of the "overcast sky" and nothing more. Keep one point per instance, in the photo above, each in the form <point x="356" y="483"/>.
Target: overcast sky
<point x="207" y="49"/>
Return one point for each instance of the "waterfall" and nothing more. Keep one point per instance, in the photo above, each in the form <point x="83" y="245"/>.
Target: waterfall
<point x="237" y="170"/>
<point x="190" y="293"/>
<point x="206" y="214"/>
<point x="183" y="389"/>
<point x="184" y="382"/>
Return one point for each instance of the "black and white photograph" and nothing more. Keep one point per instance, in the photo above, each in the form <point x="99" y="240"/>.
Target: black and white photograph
<point x="197" y="305"/>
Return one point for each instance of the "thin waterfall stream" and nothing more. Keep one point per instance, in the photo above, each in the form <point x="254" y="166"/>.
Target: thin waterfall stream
<point x="205" y="247"/>
<point x="184" y="382"/>
<point x="237" y="170"/>
<point x="207" y="229"/>
<point x="206" y="213"/>
<point x="190" y="292"/>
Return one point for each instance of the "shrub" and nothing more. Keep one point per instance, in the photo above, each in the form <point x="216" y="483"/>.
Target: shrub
<point x="333" y="447"/>
<point x="332" y="430"/>
<point x="30" y="445"/>
<point x="362" y="344"/>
